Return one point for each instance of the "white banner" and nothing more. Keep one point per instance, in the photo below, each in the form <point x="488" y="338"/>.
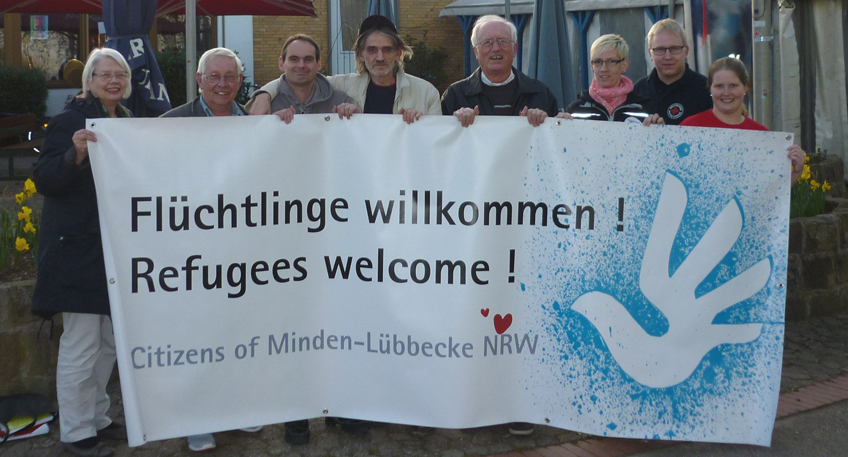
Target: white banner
<point x="600" y="277"/>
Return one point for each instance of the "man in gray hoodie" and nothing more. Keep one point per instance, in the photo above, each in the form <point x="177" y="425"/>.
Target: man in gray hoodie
<point x="301" y="89"/>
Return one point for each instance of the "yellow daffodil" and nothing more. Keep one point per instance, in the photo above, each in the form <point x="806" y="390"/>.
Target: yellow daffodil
<point x="814" y="185"/>
<point x="806" y="159"/>
<point x="28" y="228"/>
<point x="805" y="175"/>
<point x="826" y="187"/>
<point x="24" y="214"/>
<point x="20" y="197"/>
<point x="21" y="244"/>
<point x="29" y="187"/>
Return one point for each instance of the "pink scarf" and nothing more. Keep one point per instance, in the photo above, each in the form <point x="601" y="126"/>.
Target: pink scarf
<point x="611" y="97"/>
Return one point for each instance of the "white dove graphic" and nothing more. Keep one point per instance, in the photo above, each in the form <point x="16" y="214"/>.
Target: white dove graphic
<point x="663" y="361"/>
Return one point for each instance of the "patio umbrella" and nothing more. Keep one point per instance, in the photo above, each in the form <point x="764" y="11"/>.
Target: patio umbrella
<point x="50" y="6"/>
<point x="550" y="55"/>
<point x="213" y="7"/>
<point x="385" y="8"/>
<point x="128" y="24"/>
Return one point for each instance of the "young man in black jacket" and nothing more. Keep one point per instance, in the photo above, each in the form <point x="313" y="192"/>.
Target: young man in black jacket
<point x="676" y="90"/>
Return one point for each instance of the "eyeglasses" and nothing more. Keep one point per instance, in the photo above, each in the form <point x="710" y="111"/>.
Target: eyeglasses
<point x="674" y="50"/>
<point x="610" y="62"/>
<point x="215" y="78"/>
<point x="106" y="76"/>
<point x="502" y="43"/>
<point x="372" y="50"/>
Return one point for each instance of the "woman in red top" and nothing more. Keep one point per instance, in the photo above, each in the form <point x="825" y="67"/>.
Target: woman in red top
<point x="728" y="82"/>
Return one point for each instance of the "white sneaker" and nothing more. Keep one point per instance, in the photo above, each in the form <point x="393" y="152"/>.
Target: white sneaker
<point x="252" y="429"/>
<point x="203" y="442"/>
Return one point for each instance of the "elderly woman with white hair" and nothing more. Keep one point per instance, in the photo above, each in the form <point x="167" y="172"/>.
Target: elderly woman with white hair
<point x="610" y="96"/>
<point x="71" y="274"/>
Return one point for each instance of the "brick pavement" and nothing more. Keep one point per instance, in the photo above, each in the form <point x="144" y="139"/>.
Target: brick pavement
<point x="815" y="373"/>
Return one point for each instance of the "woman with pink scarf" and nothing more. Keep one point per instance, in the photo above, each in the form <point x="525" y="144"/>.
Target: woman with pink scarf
<point x="611" y="96"/>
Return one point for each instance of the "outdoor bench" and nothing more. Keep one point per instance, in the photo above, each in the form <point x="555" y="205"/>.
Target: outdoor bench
<point x="21" y="129"/>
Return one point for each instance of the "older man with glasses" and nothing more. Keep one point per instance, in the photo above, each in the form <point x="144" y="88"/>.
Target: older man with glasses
<point x="497" y="88"/>
<point x="219" y="76"/>
<point x="677" y="91"/>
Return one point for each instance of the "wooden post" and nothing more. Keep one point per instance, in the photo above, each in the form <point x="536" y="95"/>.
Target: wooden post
<point x="83" y="38"/>
<point x="154" y="36"/>
<point x="12" y="34"/>
<point x="213" y="29"/>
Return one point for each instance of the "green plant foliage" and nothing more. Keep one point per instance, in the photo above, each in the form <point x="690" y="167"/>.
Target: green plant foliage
<point x="22" y="91"/>
<point x="808" y="195"/>
<point x="172" y="63"/>
<point x="427" y="63"/>
<point x="18" y="230"/>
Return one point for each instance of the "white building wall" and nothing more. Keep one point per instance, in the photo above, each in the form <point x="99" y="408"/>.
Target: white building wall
<point x="236" y="33"/>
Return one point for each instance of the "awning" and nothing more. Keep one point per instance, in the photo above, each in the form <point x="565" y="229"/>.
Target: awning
<point x="483" y="7"/>
<point x="204" y="7"/>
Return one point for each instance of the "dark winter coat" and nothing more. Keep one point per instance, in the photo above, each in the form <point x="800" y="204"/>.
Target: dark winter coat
<point x="675" y="102"/>
<point x="635" y="106"/>
<point x="71" y="273"/>
<point x="468" y="93"/>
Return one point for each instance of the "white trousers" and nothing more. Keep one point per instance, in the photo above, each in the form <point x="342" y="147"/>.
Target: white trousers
<point x="86" y="359"/>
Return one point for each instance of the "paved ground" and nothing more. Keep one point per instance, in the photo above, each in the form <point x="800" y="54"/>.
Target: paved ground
<point x="805" y="434"/>
<point x="816" y="350"/>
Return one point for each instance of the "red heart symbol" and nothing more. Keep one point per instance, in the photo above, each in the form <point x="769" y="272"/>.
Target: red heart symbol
<point x="502" y="323"/>
<point x="485" y="312"/>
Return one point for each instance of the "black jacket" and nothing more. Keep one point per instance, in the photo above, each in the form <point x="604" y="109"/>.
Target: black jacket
<point x="71" y="273"/>
<point x="685" y="97"/>
<point x="635" y="106"/>
<point x="468" y="93"/>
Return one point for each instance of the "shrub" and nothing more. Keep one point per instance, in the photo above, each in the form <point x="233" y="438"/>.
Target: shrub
<point x="172" y="64"/>
<point x="427" y="63"/>
<point x="22" y="91"/>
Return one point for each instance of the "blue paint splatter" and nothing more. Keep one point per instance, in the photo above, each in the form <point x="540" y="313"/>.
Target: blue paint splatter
<point x="683" y="150"/>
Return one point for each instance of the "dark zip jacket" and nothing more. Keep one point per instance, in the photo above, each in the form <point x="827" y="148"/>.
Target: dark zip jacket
<point x="685" y="97"/>
<point x="635" y="107"/>
<point x="468" y="93"/>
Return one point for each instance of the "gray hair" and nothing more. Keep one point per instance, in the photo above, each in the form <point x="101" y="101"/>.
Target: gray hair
<point x="397" y="41"/>
<point x="218" y="52"/>
<point x="95" y="57"/>
<point x="489" y="18"/>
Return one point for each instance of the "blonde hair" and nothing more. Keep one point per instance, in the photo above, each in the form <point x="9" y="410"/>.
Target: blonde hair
<point x="610" y="42"/>
<point x="94" y="58"/>
<point x="667" y="26"/>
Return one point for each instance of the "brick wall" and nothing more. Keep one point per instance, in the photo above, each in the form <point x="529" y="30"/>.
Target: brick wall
<point x="817" y="270"/>
<point x="27" y="359"/>
<point x="418" y="18"/>
<point x="269" y="33"/>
